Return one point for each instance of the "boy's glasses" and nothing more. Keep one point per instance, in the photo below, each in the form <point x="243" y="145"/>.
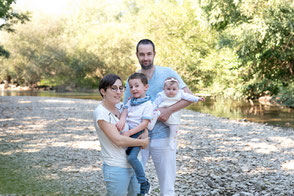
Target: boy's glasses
<point x="115" y="88"/>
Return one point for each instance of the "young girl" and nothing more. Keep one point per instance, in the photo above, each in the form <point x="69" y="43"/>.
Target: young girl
<point x="169" y="96"/>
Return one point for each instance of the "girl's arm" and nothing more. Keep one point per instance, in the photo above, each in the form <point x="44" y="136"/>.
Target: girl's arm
<point x="191" y="97"/>
<point x="115" y="137"/>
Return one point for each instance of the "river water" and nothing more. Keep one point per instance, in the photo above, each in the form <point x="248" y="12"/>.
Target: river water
<point x="220" y="107"/>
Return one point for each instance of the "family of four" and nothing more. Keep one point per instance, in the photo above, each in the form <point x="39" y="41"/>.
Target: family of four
<point x="145" y="125"/>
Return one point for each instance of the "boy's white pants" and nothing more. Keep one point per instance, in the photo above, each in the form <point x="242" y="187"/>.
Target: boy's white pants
<point x="164" y="159"/>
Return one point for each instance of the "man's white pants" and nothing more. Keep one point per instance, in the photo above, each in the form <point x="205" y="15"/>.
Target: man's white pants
<point x="164" y="159"/>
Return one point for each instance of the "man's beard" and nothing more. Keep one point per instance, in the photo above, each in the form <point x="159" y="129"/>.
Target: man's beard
<point x="147" y="67"/>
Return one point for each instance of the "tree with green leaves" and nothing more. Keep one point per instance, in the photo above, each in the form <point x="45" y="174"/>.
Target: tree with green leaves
<point x="262" y="35"/>
<point x="229" y="47"/>
<point x="74" y="50"/>
<point x="9" y="17"/>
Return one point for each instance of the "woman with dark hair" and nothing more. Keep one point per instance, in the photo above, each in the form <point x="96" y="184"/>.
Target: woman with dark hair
<point x="119" y="176"/>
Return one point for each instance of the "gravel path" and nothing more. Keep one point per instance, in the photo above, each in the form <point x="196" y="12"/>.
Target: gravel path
<point x="48" y="146"/>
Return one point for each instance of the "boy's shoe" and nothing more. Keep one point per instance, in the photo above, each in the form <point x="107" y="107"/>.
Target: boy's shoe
<point x="155" y="116"/>
<point x="145" y="188"/>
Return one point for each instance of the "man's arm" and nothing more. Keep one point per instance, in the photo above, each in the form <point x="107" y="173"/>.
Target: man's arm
<point x="167" y="111"/>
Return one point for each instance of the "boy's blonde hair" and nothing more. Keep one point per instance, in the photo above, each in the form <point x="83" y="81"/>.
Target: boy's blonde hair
<point x="171" y="81"/>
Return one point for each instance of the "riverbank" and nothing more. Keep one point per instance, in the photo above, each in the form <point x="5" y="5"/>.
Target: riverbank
<point x="49" y="146"/>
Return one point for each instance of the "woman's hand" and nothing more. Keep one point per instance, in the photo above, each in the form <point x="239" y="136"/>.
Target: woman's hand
<point x="145" y="142"/>
<point x="144" y="134"/>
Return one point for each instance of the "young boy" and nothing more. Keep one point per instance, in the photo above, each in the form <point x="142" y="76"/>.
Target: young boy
<point x="137" y="113"/>
<point x="169" y="96"/>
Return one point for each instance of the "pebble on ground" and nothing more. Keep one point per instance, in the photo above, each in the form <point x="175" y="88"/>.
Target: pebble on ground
<point x="49" y="146"/>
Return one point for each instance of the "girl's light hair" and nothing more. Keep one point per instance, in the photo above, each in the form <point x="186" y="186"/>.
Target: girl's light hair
<point x="171" y="81"/>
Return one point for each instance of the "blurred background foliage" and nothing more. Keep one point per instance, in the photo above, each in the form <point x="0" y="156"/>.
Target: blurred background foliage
<point x="232" y="48"/>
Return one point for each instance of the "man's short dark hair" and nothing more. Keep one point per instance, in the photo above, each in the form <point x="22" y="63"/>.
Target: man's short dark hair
<point x="140" y="76"/>
<point x="145" y="42"/>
